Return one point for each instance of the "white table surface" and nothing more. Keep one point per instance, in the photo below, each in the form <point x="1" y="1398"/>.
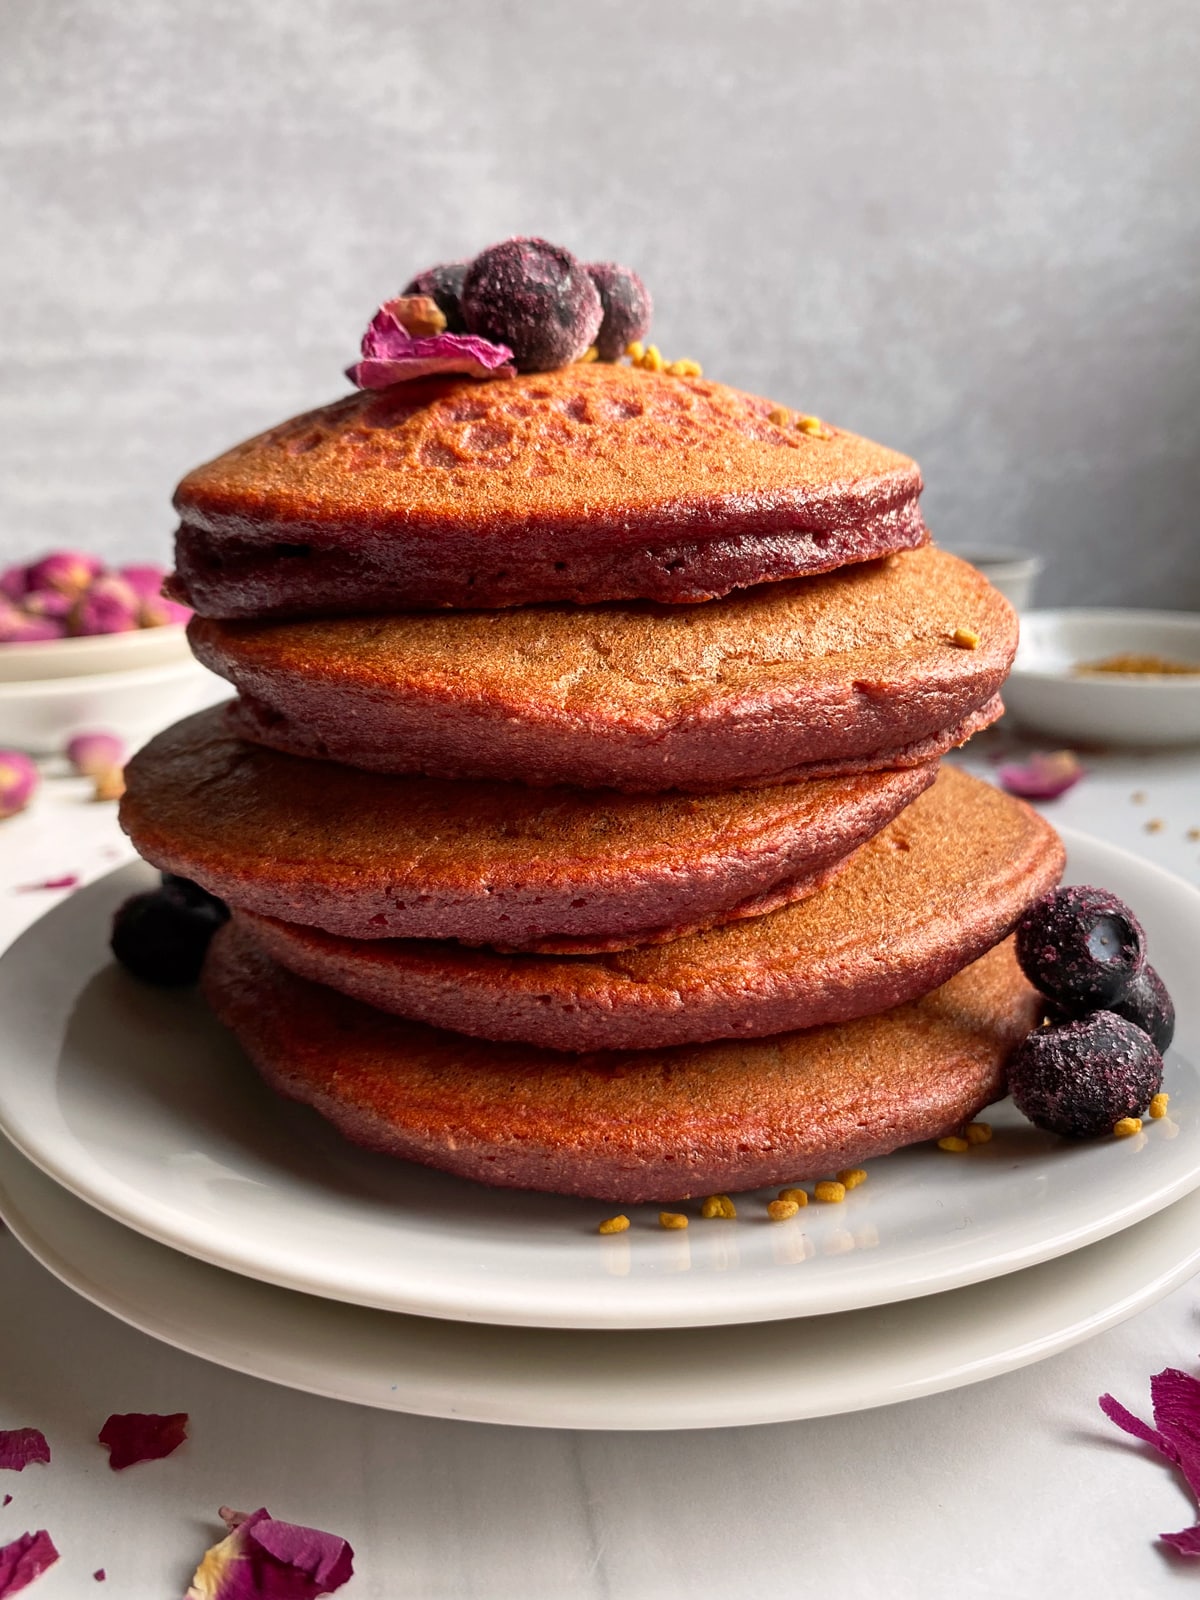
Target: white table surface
<point x="1014" y="1487"/>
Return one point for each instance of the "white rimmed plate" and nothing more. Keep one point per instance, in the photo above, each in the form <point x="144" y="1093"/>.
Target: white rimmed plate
<point x="134" y="1099"/>
<point x="538" y="1377"/>
<point x="1045" y="693"/>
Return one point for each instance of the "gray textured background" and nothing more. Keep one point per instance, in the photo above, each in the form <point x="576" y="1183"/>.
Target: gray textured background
<point x="968" y="229"/>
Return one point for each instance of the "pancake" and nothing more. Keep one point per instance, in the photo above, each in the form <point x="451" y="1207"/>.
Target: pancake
<point x="632" y="1126"/>
<point x="943" y="883"/>
<point x="853" y="670"/>
<point x="595" y="482"/>
<point x="369" y="856"/>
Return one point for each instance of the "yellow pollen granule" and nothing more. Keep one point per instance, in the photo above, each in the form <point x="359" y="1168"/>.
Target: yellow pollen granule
<point x="966" y="638"/>
<point x="781" y="1210"/>
<point x="851" y="1177"/>
<point x="1158" y="1106"/>
<point x="613" y="1225"/>
<point x="798" y="1197"/>
<point x="813" y="425"/>
<point x="635" y="351"/>
<point x="686" y="369"/>
<point x="718" y="1205"/>
<point x="977" y="1132"/>
<point x="830" y="1192"/>
<point x="779" y="416"/>
<point x="590" y="354"/>
<point x="1127" y="1127"/>
<point x="652" y="360"/>
<point x="1155" y="825"/>
<point x="672" y="1219"/>
<point x="1193" y="833"/>
<point x="953" y="1142"/>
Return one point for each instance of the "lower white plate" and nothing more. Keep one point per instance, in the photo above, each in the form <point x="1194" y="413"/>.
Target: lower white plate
<point x="536" y="1377"/>
<point x="135" y="1100"/>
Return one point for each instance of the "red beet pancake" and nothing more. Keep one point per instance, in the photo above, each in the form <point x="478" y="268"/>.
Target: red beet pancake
<point x="595" y="482"/>
<point x="631" y="1126"/>
<point x="853" y="670"/>
<point x="929" y="894"/>
<point x="370" y="856"/>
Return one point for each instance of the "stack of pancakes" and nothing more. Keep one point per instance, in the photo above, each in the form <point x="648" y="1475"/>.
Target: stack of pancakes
<point x="580" y="811"/>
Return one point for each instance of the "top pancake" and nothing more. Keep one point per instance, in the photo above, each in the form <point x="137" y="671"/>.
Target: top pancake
<point x="595" y="482"/>
<point x="833" y="673"/>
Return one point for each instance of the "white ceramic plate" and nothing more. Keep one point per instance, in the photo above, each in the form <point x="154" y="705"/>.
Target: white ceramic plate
<point x="99" y="652"/>
<point x="135" y="1099"/>
<point x="537" y="1377"/>
<point x="40" y="717"/>
<point x="1044" y="693"/>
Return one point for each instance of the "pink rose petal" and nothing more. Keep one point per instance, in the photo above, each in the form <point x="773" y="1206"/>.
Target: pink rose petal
<point x="67" y="881"/>
<point x="7" y="1501"/>
<point x="390" y="355"/>
<point x="134" y="1436"/>
<point x="100" y="1575"/>
<point x="21" y="1446"/>
<point x="1042" y="777"/>
<point x="24" y="1560"/>
<point x="1175" y="1401"/>
<point x="262" y="1559"/>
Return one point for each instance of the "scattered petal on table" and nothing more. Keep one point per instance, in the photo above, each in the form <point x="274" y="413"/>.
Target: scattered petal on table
<point x="21" y="1446"/>
<point x="1175" y="1401"/>
<point x="1044" y="776"/>
<point x="25" y="1559"/>
<point x="134" y="1436"/>
<point x="263" y="1559"/>
<point x="68" y="880"/>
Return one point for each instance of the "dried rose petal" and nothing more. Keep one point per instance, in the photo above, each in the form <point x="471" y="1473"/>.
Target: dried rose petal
<point x="262" y="1559"/>
<point x="93" y="753"/>
<point x="67" y="881"/>
<point x="392" y="355"/>
<point x="21" y="1446"/>
<point x="1175" y="1401"/>
<point x="100" y="1575"/>
<point x="51" y="603"/>
<point x="1042" y="777"/>
<point x="133" y="1436"/>
<point x="24" y="1560"/>
<point x="19" y="780"/>
<point x="7" y="1501"/>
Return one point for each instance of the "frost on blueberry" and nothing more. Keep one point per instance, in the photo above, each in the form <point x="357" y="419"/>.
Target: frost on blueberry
<point x="534" y="297"/>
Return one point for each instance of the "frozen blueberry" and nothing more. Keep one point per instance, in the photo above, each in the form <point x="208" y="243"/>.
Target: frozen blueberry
<point x="535" y="298"/>
<point x="194" y="898"/>
<point x="1080" y="1078"/>
<point x="160" y="939"/>
<point x="626" y="306"/>
<point x="1081" y="947"/>
<point x="1148" y="1006"/>
<point x="443" y="284"/>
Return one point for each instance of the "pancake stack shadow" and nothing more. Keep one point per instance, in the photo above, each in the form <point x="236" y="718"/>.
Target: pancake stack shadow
<point x="580" y="809"/>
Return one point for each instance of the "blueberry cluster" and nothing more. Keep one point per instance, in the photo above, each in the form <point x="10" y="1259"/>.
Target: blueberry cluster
<point x="536" y="298"/>
<point x="162" y="936"/>
<point x="1098" y="1058"/>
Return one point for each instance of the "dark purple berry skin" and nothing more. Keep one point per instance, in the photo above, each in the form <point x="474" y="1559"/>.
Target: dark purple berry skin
<point x="535" y="298"/>
<point x="194" y="898"/>
<point x="1080" y="1078"/>
<point x="1082" y="947"/>
<point x="443" y="284"/>
<point x="160" y="939"/>
<point x="1148" y="1006"/>
<point x="627" y="308"/>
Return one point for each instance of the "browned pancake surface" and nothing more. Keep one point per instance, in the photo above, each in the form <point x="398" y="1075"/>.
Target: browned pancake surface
<point x="370" y="856"/>
<point x="632" y="1126"/>
<point x="929" y="894"/>
<point x="744" y="690"/>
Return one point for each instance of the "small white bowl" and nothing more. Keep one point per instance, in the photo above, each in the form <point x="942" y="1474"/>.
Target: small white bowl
<point x="1046" y="693"/>
<point x="100" y="652"/>
<point x="40" y="716"/>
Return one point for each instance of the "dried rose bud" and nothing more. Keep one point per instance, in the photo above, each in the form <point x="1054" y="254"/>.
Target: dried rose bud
<point x="418" y="314"/>
<point x="14" y="582"/>
<point x="67" y="570"/>
<point x="145" y="580"/>
<point x="17" y="628"/>
<point x="109" y="784"/>
<point x="94" y="753"/>
<point x="19" y="779"/>
<point x="52" y="603"/>
<point x="159" y="611"/>
<point x="108" y="606"/>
